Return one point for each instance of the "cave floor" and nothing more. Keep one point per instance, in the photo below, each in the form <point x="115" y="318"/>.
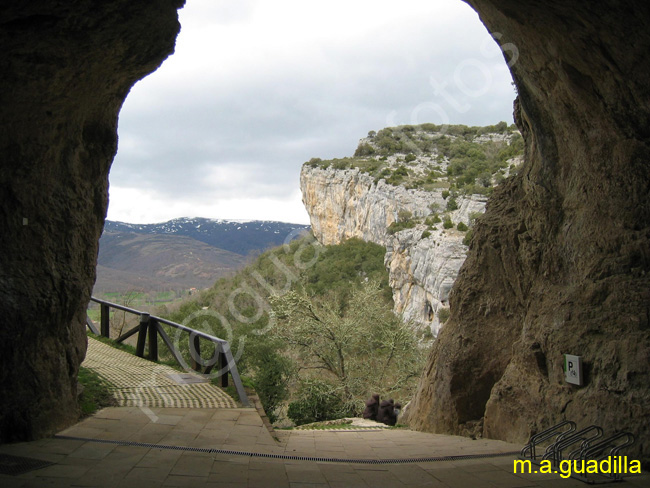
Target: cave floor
<point x="159" y="447"/>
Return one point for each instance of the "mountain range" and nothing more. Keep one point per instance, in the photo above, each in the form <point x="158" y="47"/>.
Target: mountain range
<point x="182" y="253"/>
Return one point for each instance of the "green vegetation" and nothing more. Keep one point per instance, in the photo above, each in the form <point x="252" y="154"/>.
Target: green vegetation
<point x="452" y="204"/>
<point x="96" y="392"/>
<point x="400" y="225"/>
<point x="333" y="299"/>
<point x="467" y="159"/>
<point x="341" y="268"/>
<point x="356" y="351"/>
<point x="462" y="227"/>
<point x="432" y="220"/>
<point x="468" y="237"/>
<point x="314" y="402"/>
<point x="443" y="315"/>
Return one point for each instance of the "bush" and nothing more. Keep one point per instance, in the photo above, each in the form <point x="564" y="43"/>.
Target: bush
<point x="313" y="162"/>
<point x="340" y="164"/>
<point x="447" y="224"/>
<point x="400" y="225"/>
<point x="445" y="194"/>
<point x="468" y="237"/>
<point x="404" y="214"/>
<point x="271" y="373"/>
<point x="364" y="150"/>
<point x="317" y="401"/>
<point x="398" y="175"/>
<point x="432" y="220"/>
<point x="425" y="234"/>
<point x="452" y="204"/>
<point x="443" y="315"/>
<point x="473" y="216"/>
<point x="410" y="157"/>
<point x="462" y="227"/>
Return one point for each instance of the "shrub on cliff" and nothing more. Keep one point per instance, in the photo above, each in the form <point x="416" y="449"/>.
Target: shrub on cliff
<point x="452" y="204"/>
<point x="468" y="237"/>
<point x="398" y="176"/>
<point x="314" y="162"/>
<point x="364" y="150"/>
<point x="397" y="226"/>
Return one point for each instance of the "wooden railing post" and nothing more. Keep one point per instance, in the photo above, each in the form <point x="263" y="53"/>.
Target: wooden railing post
<point x="105" y="320"/>
<point x="142" y="334"/>
<point x="153" y="340"/>
<point x="195" y="352"/>
<point x="223" y="365"/>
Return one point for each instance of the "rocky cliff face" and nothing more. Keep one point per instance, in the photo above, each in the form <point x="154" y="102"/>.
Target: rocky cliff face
<point x="560" y="262"/>
<point x="65" y="70"/>
<point x="423" y="261"/>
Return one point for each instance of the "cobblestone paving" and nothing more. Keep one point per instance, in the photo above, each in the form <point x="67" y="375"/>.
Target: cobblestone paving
<point x="138" y="382"/>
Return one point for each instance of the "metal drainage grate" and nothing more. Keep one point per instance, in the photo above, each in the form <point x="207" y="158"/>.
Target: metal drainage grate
<point x="459" y="457"/>
<point x="186" y="378"/>
<point x="15" y="465"/>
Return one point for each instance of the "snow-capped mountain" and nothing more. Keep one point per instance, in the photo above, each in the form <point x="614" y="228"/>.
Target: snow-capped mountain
<point x="241" y="237"/>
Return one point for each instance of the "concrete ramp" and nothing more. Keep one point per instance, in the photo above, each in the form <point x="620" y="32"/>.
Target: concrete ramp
<point x="138" y="382"/>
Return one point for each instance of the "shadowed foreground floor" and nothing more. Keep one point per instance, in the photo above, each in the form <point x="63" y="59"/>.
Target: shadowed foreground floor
<point x="158" y="447"/>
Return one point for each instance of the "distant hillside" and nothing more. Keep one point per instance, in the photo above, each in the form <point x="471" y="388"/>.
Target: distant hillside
<point x="242" y="238"/>
<point x="150" y="262"/>
<point x="180" y="254"/>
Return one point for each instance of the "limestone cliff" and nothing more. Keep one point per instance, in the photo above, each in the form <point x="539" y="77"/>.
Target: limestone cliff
<point x="423" y="258"/>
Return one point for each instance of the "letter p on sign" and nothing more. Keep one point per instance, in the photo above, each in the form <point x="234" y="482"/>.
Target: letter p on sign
<point x="573" y="369"/>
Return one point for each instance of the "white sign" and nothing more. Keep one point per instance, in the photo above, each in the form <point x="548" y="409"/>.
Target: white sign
<point x="573" y="369"/>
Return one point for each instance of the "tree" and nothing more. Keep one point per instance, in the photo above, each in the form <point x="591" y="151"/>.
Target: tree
<point x="120" y="320"/>
<point x="359" y="350"/>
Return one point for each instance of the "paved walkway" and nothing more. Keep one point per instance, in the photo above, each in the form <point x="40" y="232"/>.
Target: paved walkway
<point x="140" y="383"/>
<point x="165" y="447"/>
<point x="150" y="446"/>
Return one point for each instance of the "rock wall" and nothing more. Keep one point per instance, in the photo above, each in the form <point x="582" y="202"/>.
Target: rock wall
<point x="348" y="203"/>
<point x="65" y="70"/>
<point x="560" y="262"/>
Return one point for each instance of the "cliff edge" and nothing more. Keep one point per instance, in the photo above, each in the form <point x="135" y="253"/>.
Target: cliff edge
<point x="412" y="189"/>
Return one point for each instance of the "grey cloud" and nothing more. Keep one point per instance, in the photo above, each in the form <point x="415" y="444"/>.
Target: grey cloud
<point x="267" y="120"/>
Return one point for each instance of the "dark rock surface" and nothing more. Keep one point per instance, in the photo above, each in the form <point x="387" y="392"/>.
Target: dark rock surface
<point x="65" y="69"/>
<point x="560" y="263"/>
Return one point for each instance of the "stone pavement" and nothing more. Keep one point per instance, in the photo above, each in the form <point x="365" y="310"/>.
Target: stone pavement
<point x="201" y="439"/>
<point x="176" y="447"/>
<point x="138" y="382"/>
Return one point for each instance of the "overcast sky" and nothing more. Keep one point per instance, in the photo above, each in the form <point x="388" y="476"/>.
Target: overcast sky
<point x="258" y="87"/>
